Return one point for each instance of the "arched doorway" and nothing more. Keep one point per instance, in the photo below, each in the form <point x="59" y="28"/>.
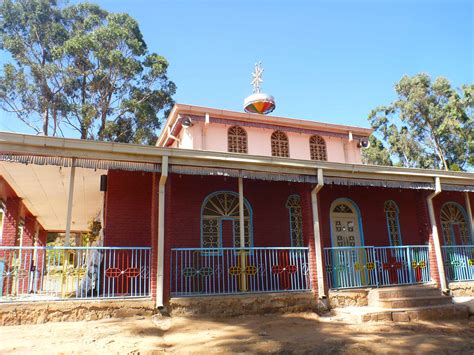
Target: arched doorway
<point x="454" y="224"/>
<point x="346" y="228"/>
<point x="220" y="225"/>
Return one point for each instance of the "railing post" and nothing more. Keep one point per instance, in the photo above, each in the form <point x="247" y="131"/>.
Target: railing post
<point x="410" y="269"/>
<point x="376" y="270"/>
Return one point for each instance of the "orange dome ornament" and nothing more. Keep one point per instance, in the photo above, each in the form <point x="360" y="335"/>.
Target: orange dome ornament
<point x="259" y="102"/>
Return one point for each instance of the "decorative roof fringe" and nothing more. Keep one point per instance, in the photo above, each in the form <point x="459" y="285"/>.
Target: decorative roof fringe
<point x="81" y="163"/>
<point x="459" y="188"/>
<point x="379" y="183"/>
<point x="246" y="174"/>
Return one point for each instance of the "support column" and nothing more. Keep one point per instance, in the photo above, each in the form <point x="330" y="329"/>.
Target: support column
<point x="435" y="235"/>
<point x="318" y="249"/>
<point x="243" y="260"/>
<point x="72" y="177"/>
<point x="469" y="214"/>
<point x="161" y="233"/>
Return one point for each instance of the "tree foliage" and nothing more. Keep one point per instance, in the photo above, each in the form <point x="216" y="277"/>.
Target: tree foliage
<point x="430" y="125"/>
<point x="95" y="74"/>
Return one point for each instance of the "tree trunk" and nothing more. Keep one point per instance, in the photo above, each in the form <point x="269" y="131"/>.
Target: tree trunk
<point x="45" y="120"/>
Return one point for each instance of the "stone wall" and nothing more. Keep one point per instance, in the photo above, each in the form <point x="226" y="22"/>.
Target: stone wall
<point x="461" y="289"/>
<point x="63" y="311"/>
<point x="347" y="298"/>
<point x="225" y="306"/>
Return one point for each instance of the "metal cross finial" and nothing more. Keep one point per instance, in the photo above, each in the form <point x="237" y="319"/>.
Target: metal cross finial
<point x="257" y="77"/>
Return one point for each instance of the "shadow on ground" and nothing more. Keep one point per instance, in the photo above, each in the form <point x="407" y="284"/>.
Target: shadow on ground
<point x="307" y="332"/>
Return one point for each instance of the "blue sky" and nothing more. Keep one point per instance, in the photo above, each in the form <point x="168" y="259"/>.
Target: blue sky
<point x="330" y="61"/>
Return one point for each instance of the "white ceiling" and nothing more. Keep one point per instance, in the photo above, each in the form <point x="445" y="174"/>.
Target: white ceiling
<point x="44" y="190"/>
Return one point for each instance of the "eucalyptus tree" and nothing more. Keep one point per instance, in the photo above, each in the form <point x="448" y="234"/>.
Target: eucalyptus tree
<point x="430" y="125"/>
<point x="30" y="87"/>
<point x="82" y="67"/>
<point x="116" y="89"/>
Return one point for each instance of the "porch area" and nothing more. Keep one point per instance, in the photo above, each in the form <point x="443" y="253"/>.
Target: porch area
<point x="362" y="267"/>
<point x="74" y="273"/>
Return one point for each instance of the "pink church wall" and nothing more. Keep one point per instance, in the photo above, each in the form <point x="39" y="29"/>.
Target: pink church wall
<point x="259" y="142"/>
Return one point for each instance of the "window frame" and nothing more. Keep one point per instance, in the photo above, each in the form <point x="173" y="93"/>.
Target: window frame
<point x="219" y="220"/>
<point x="317" y="148"/>
<point x="396" y="210"/>
<point x="291" y="207"/>
<point x="241" y="136"/>
<point x="278" y="142"/>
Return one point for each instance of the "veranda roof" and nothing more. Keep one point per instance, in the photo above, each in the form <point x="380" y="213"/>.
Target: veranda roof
<point x="37" y="168"/>
<point x="44" y="191"/>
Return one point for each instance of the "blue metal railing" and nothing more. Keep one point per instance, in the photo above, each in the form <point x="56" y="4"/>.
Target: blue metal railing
<point x="221" y="271"/>
<point x="353" y="267"/>
<point x="74" y="272"/>
<point x="459" y="262"/>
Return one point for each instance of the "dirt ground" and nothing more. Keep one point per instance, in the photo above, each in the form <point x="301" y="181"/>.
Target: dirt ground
<point x="282" y="333"/>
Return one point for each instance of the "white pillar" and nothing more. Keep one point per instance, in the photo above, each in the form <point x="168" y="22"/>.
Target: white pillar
<point x="72" y="177"/>
<point x="318" y="249"/>
<point x="435" y="234"/>
<point x="469" y="215"/>
<point x="243" y="253"/>
<point x="161" y="233"/>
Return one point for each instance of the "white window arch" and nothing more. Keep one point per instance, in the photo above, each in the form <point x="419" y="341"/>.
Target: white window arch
<point x="454" y="224"/>
<point x="224" y="206"/>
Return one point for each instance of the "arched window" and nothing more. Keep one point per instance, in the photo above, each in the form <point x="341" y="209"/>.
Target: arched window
<point x="237" y="140"/>
<point x="280" y="147"/>
<point x="454" y="224"/>
<point x="317" y="147"/>
<point x="393" y="224"/>
<point x="296" y="220"/>
<point x="220" y="221"/>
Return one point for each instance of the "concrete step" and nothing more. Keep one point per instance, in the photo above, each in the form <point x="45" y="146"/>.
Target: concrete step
<point x="375" y="314"/>
<point x="410" y="302"/>
<point x="404" y="291"/>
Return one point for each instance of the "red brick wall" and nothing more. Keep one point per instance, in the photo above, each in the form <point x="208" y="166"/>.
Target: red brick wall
<point x="11" y="221"/>
<point x="185" y="195"/>
<point x="128" y="209"/>
<point x="371" y="205"/>
<point x="267" y="200"/>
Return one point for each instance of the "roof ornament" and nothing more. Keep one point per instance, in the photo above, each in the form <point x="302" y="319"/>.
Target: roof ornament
<point x="258" y="102"/>
<point x="257" y="77"/>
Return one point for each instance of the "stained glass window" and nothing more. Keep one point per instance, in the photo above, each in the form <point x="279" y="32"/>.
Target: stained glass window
<point x="296" y="220"/>
<point x="280" y="147"/>
<point x="237" y="140"/>
<point x="393" y="225"/>
<point x="317" y="147"/>
<point x="452" y="215"/>
<point x="224" y="206"/>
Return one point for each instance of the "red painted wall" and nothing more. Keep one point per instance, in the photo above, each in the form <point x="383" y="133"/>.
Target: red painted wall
<point x="371" y="205"/>
<point x="267" y="200"/>
<point x="128" y="208"/>
<point x="185" y="195"/>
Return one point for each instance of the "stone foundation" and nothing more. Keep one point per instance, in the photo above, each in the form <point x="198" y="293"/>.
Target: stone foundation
<point x="62" y="311"/>
<point x="462" y="288"/>
<point x="348" y="298"/>
<point x="224" y="306"/>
